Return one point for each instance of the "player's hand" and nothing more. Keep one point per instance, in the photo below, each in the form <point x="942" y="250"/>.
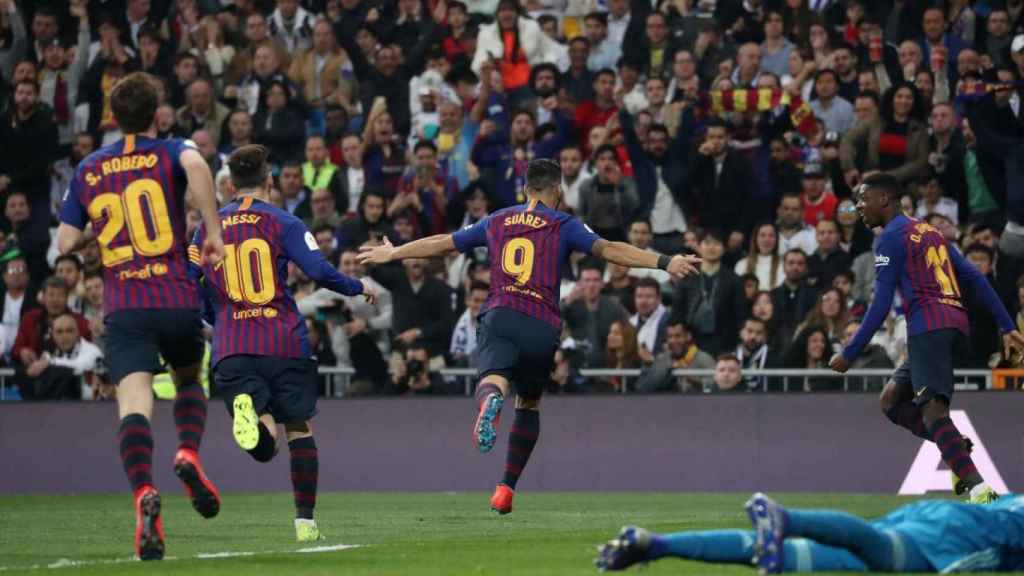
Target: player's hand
<point x="377" y="254"/>
<point x="213" y="249"/>
<point x="682" y="266"/>
<point x="369" y="292"/>
<point x="1013" y="342"/>
<point x="839" y="364"/>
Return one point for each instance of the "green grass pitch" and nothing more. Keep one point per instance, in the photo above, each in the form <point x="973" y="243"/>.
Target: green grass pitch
<point x="397" y="533"/>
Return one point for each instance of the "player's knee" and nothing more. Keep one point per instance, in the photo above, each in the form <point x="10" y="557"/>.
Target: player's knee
<point x="296" y="430"/>
<point x="934" y="410"/>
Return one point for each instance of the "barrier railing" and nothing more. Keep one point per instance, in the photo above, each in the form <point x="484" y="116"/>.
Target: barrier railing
<point x="339" y="377"/>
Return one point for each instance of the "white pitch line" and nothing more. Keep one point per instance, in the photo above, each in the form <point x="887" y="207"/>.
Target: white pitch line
<point x="69" y="563"/>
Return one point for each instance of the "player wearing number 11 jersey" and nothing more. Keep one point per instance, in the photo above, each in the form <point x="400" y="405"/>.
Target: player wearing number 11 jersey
<point x="913" y="257"/>
<point x="529" y="245"/>
<point x="262" y="362"/>
<point x="133" y="194"/>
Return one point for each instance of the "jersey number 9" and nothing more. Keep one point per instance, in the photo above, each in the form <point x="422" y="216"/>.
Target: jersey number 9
<point x="517" y="259"/>
<point x="129" y="208"/>
<point x="246" y="283"/>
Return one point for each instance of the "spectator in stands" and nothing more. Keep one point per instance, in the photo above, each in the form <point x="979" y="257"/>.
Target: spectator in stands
<point x="207" y="149"/>
<point x="872" y="357"/>
<point x="589" y="315"/>
<point x="412" y="372"/>
<point x="349" y="180"/>
<point x="69" y="268"/>
<point x="811" y="350"/>
<point x="985" y="342"/>
<point x="754" y="353"/>
<point x="384" y="156"/>
<point x="896" y="142"/>
<point x="728" y="374"/>
<point x="278" y="125"/>
<point x="763" y="308"/>
<point x="998" y="39"/>
<point x="292" y="25"/>
<point x="323" y="211"/>
<point x="604" y="51"/>
<point x="865" y="107"/>
<point x="640" y="235"/>
<point x="795" y="297"/>
<point x="776" y="47"/>
<point x="186" y="71"/>
<point x="785" y="178"/>
<point x="819" y="204"/>
<point x="35" y="330"/>
<point x="456" y="137"/>
<point x="748" y="66"/>
<point x="202" y="111"/>
<point x="712" y="303"/>
<point x="62" y="171"/>
<point x="793" y="231"/>
<point x="829" y="106"/>
<point x="60" y="75"/>
<point x="609" y="201"/>
<point x="28" y="143"/>
<point x="296" y="195"/>
<point x="251" y="90"/>
<point x="829" y="314"/>
<point x="680" y="352"/>
<point x="62" y="371"/>
<point x="763" y="258"/>
<point x="574" y="174"/>
<point x="854" y="236"/>
<point x="17" y="298"/>
<point x="829" y="259"/>
<point x="621" y="285"/>
<point x="651" y="318"/>
<point x="464" y="337"/>
<point x="422" y="305"/>
<point x="425" y="194"/>
<point x="370" y="224"/>
<point x="93" y="305"/>
<point x="318" y="170"/>
<point x="598" y="110"/>
<point x="932" y="201"/>
<point x="256" y="34"/>
<point x="722" y="182"/>
<point x="321" y="72"/>
<point x="21" y="234"/>
<point x="621" y="352"/>
<point x="936" y="39"/>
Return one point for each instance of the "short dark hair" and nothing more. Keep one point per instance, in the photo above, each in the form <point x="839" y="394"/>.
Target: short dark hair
<point x="678" y="321"/>
<point x="643" y="221"/>
<point x="755" y="319"/>
<point x="68" y="258"/>
<point x="248" y="166"/>
<point x="729" y="357"/>
<point x="542" y="175"/>
<point x="424" y="143"/>
<point x="850" y="275"/>
<point x="599" y="17"/>
<point x="885" y="182"/>
<point x="823" y="72"/>
<point x="456" y="4"/>
<point x="870" y="95"/>
<point x="591" y="264"/>
<point x="134" y="101"/>
<point x="149" y="31"/>
<point x="603" y="72"/>
<point x="606" y="149"/>
<point x="795" y="251"/>
<point x="657" y="127"/>
<point x="978" y="247"/>
<point x="648" y="282"/>
<point x="476" y="286"/>
<point x="322" y="227"/>
<point x="56" y="282"/>
<point x="714" y="235"/>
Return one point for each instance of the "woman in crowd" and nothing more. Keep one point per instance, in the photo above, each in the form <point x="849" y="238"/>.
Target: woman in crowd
<point x="621" y="350"/>
<point x="854" y="236"/>
<point x="895" y="142"/>
<point x="763" y="259"/>
<point x="830" y="314"/>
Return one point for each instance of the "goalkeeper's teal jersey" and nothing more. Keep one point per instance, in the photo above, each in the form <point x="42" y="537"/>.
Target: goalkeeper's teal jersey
<point x="961" y="537"/>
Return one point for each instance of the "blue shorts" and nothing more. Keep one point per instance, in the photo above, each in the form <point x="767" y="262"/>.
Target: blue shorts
<point x="928" y="369"/>
<point x="136" y="339"/>
<point x="285" y="388"/>
<point x="518" y="347"/>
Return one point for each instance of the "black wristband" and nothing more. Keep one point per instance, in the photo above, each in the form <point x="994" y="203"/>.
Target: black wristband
<point x="663" y="261"/>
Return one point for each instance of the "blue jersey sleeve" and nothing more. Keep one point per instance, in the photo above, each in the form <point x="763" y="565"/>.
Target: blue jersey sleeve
<point x="472" y="236"/>
<point x="982" y="289"/>
<point x="301" y="248"/>
<point x="890" y="255"/>
<point x="579" y="236"/>
<point x="195" y="258"/>
<point x="72" y="212"/>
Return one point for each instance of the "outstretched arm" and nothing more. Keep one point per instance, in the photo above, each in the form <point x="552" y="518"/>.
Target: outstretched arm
<point x="628" y="255"/>
<point x="429" y="247"/>
<point x="888" y="268"/>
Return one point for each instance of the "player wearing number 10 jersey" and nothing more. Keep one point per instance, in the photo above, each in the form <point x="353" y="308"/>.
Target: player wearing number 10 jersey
<point x="913" y="257"/>
<point x="262" y="360"/>
<point x="520" y="323"/>
<point x="133" y="194"/>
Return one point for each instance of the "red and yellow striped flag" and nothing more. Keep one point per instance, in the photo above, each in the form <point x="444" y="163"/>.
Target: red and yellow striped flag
<point x="762" y="100"/>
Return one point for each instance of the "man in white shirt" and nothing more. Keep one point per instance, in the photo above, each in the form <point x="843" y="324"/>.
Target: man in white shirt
<point x="618" y="20"/>
<point x="13" y="301"/>
<point x="651" y="318"/>
<point x="793" y="231"/>
<point x="574" y="173"/>
<point x="62" y="371"/>
<point x="464" y="336"/>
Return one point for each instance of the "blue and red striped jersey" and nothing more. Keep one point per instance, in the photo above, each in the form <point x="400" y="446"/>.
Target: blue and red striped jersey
<point x="913" y="257"/>
<point x="133" y="192"/>
<point x="253" y="311"/>
<point x="528" y="245"/>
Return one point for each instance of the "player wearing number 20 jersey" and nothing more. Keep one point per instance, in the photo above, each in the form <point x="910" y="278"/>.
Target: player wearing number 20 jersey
<point x="133" y="194"/>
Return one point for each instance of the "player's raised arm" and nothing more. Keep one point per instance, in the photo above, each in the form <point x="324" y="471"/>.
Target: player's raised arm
<point x="200" y="183"/>
<point x="301" y="248"/>
<point x="429" y="247"/>
<point x="624" y="254"/>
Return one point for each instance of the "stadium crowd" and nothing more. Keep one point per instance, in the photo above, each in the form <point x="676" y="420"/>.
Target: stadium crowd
<point x="735" y="129"/>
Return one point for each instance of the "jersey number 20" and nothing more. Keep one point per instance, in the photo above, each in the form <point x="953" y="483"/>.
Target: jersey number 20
<point x="246" y="283"/>
<point x="129" y="208"/>
<point x="517" y="259"/>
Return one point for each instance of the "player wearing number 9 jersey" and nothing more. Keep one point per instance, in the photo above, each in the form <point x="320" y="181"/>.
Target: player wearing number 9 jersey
<point x="529" y="245"/>
<point x="914" y="258"/>
<point x="133" y="194"/>
<point x="262" y="360"/>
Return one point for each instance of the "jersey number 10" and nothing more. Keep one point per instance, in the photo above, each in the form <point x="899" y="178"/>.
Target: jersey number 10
<point x="116" y="207"/>
<point x="945" y="275"/>
<point x="244" y="282"/>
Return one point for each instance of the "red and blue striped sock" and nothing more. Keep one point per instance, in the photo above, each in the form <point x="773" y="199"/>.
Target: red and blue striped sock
<point x="305" y="471"/>
<point x="522" y="439"/>
<point x="190" y="415"/>
<point x="908" y="415"/>
<point x="954" y="453"/>
<point x="136" y="441"/>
